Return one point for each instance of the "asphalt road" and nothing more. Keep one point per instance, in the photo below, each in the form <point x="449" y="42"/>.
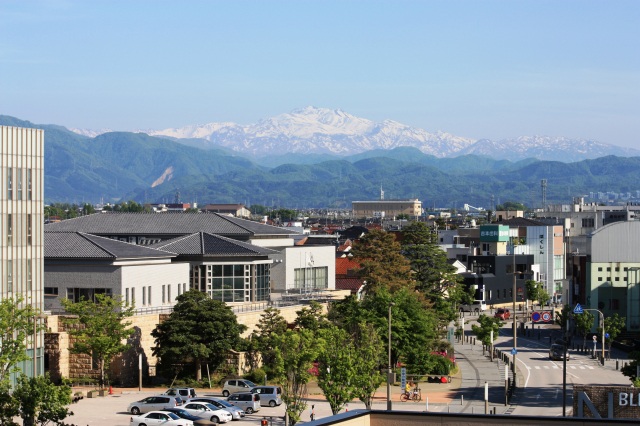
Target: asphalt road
<point x="541" y="378"/>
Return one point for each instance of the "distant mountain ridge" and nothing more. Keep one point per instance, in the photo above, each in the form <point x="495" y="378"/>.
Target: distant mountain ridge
<point x="120" y="166"/>
<point x="327" y="132"/>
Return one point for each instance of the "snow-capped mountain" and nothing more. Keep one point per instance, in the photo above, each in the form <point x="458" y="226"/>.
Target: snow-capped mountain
<point x="90" y="133"/>
<point x="314" y="130"/>
<point x="546" y="148"/>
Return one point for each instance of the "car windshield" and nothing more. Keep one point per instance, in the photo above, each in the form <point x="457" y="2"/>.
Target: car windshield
<point x="173" y="416"/>
<point x="250" y="384"/>
<point x="184" y="414"/>
<point x="224" y="403"/>
<point x="211" y="407"/>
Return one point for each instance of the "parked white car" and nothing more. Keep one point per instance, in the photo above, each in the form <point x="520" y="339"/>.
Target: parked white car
<point x="207" y="411"/>
<point x="154" y="403"/>
<point x="159" y="418"/>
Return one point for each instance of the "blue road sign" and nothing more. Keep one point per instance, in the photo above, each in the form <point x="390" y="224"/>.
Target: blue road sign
<point x="578" y="309"/>
<point x="514" y="351"/>
<point x="606" y="335"/>
<point x="535" y="317"/>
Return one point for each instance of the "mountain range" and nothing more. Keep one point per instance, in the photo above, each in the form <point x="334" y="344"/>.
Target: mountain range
<point x="116" y="166"/>
<point x="335" y="133"/>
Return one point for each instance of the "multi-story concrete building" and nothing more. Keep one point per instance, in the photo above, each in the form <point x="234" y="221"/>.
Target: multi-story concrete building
<point x="21" y="212"/>
<point x="386" y="208"/>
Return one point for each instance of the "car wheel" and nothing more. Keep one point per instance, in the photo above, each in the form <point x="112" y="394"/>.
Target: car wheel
<point x="142" y="424"/>
<point x="272" y="403"/>
<point x="249" y="410"/>
<point x="225" y="393"/>
<point x="215" y="419"/>
<point x="135" y="411"/>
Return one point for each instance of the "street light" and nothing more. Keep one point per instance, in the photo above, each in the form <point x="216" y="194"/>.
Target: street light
<point x="389" y="364"/>
<point x="514" y="315"/>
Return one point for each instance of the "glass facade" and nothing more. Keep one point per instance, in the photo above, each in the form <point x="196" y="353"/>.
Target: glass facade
<point x="308" y="279"/>
<point x="233" y="282"/>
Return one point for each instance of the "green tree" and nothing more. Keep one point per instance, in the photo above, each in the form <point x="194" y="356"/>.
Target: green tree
<point x="312" y="317"/>
<point x="295" y="353"/>
<point x="9" y="407"/>
<point x="435" y="277"/>
<point x="336" y="367"/>
<point x="367" y="361"/>
<point x="16" y="325"/>
<point x="511" y="205"/>
<point x="88" y="209"/>
<point x="382" y="263"/>
<point x="613" y="325"/>
<point x="483" y="330"/>
<point x="543" y="297"/>
<point x="584" y="323"/>
<point x="270" y="325"/>
<point x="41" y="401"/>
<point x="533" y="288"/>
<point x="631" y="369"/>
<point x="102" y="328"/>
<point x="199" y="330"/>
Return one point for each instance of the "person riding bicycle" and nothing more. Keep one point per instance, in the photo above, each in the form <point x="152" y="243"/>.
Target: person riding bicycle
<point x="408" y="389"/>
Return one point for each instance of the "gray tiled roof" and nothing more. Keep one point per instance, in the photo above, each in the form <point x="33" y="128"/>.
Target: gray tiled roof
<point x="202" y="243"/>
<point x="78" y="245"/>
<point x="112" y="223"/>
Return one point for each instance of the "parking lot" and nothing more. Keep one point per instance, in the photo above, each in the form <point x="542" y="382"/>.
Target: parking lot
<point x="110" y="410"/>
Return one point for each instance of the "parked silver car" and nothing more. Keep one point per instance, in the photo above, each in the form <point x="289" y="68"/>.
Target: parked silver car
<point x="269" y="395"/>
<point x="237" y="385"/>
<point x="154" y="403"/>
<point x="237" y="413"/>
<point x="249" y="402"/>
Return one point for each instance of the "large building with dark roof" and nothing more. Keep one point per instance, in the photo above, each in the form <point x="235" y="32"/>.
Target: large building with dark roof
<point x="80" y="265"/>
<point x="232" y="259"/>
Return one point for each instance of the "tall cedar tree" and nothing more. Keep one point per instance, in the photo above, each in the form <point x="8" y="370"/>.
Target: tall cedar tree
<point x="199" y="330"/>
<point x="270" y="325"/>
<point x="367" y="377"/>
<point x="312" y="318"/>
<point x="436" y="279"/>
<point x="382" y="263"/>
<point x="102" y="328"/>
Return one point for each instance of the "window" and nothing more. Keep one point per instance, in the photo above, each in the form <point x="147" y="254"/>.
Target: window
<point x="599" y="268"/>
<point x="617" y="278"/>
<point x="29" y="280"/>
<point x="77" y="294"/>
<point x="311" y="278"/>
<point x="169" y="293"/>
<point x="9" y="183"/>
<point x="29" y="229"/>
<point x="9" y="228"/>
<point x="144" y="296"/>
<point x="599" y="278"/>
<point x="617" y="269"/>
<point x="29" y="186"/>
<point x="149" y="295"/>
<point x="51" y="291"/>
<point x="608" y="269"/>
<point x="126" y="295"/>
<point x="19" y="178"/>
<point x="588" y="222"/>
<point x="133" y="296"/>
<point x="9" y="275"/>
<point x="163" y="293"/>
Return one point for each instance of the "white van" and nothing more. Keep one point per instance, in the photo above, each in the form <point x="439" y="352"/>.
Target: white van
<point x="269" y="395"/>
<point x="247" y="401"/>
<point x="477" y="306"/>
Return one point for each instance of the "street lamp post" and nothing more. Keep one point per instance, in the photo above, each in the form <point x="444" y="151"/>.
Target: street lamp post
<point x="389" y="364"/>
<point x="515" y="330"/>
<point x="602" y="325"/>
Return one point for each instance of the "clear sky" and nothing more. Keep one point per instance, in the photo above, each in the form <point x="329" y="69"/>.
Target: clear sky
<point x="476" y="68"/>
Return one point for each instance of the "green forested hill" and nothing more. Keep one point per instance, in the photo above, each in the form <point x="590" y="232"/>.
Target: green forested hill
<point x="121" y="165"/>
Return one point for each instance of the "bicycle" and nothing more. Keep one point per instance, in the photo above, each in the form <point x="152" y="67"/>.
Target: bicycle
<point x="415" y="395"/>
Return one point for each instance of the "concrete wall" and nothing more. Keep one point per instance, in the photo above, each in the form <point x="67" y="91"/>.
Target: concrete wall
<point x="283" y="274"/>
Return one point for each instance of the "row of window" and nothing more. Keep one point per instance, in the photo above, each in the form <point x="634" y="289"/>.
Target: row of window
<point x="9" y="277"/>
<point x="614" y="279"/>
<point x="617" y="269"/>
<point x="9" y="229"/>
<point x="20" y="176"/>
<point x="311" y="278"/>
<point x="146" y="294"/>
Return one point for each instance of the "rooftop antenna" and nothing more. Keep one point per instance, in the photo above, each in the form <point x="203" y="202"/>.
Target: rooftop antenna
<point x="543" y="185"/>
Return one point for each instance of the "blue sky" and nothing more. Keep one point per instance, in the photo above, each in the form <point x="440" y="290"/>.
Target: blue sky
<point x="480" y="69"/>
